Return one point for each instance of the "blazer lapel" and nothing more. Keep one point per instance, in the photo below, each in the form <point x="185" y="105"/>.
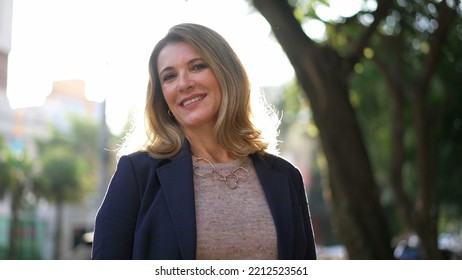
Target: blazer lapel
<point x="176" y="179"/>
<point x="277" y="190"/>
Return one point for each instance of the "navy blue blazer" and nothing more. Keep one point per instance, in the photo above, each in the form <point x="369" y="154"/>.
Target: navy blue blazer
<point x="149" y="213"/>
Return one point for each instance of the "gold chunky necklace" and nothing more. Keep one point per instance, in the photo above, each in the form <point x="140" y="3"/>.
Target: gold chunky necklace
<point x="239" y="173"/>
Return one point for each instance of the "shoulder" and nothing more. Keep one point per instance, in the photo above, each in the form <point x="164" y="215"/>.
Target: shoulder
<point x="140" y="157"/>
<point x="274" y="162"/>
<point x="139" y="162"/>
<point x="142" y="161"/>
<point x="135" y="169"/>
<point x="143" y="158"/>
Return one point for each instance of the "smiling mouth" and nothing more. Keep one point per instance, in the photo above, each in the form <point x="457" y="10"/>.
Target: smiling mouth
<point x="192" y="100"/>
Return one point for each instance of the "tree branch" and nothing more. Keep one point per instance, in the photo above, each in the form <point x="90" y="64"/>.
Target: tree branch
<point x="445" y="17"/>
<point x="379" y="14"/>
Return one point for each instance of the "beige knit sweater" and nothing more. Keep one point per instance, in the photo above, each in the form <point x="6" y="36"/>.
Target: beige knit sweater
<point x="233" y="223"/>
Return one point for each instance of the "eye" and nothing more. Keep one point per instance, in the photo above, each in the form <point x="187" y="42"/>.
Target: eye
<point x="199" y="66"/>
<point x="167" y="77"/>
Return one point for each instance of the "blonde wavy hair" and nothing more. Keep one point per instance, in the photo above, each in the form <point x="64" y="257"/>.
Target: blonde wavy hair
<point x="234" y="129"/>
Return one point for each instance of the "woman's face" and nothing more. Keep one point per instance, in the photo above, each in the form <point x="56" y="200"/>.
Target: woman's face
<point x="190" y="87"/>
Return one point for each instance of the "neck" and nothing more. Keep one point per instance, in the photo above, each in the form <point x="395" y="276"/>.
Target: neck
<point x="205" y="146"/>
<point x="214" y="154"/>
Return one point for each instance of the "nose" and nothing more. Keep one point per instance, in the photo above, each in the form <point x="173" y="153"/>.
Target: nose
<point x="186" y="82"/>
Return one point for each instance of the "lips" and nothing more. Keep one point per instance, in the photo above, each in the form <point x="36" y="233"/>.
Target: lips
<point x="192" y="100"/>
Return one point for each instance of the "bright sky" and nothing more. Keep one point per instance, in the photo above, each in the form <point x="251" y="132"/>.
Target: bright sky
<point x="107" y="44"/>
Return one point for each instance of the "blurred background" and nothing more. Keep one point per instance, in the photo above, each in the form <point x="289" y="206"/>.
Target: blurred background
<point x="369" y="94"/>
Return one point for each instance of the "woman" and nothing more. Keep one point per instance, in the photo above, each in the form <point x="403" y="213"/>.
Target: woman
<point x="204" y="186"/>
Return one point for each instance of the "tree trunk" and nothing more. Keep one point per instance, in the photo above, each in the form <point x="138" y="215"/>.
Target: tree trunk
<point x="360" y="219"/>
<point x="58" y="235"/>
<point x="426" y="203"/>
<point x="16" y="197"/>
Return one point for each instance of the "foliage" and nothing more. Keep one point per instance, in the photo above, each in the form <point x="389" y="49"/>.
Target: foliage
<point x="67" y="173"/>
<point x="5" y="163"/>
<point x="15" y="169"/>
<point x="68" y="161"/>
<point x="60" y="176"/>
<point x="16" y="176"/>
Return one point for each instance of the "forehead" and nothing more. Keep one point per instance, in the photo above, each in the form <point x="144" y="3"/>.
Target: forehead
<point x="176" y="53"/>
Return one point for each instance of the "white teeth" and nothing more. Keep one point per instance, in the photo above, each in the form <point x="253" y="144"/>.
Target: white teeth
<point x="186" y="103"/>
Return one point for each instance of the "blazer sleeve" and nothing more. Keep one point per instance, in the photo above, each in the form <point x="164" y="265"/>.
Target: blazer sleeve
<point x="116" y="218"/>
<point x="310" y="252"/>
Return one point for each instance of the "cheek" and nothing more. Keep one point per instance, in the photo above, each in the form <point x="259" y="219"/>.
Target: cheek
<point x="168" y="95"/>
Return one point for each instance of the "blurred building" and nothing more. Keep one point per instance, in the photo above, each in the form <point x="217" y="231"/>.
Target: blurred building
<point x="6" y="8"/>
<point x="6" y="12"/>
<point x="20" y="127"/>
